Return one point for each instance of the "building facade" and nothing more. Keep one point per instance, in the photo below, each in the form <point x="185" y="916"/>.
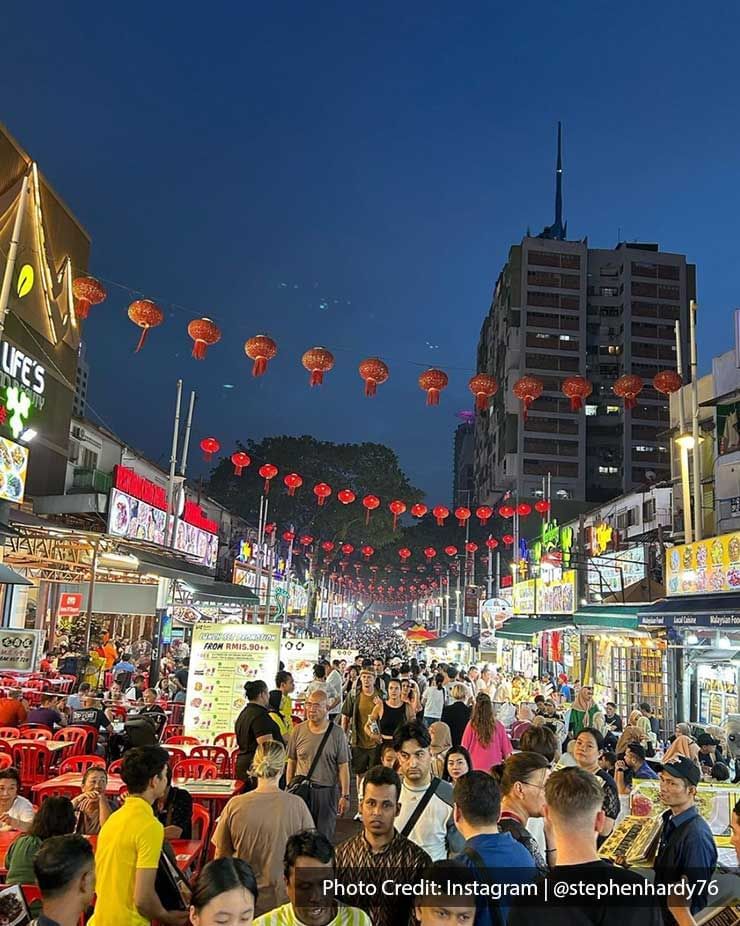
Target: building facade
<point x="463" y="481"/>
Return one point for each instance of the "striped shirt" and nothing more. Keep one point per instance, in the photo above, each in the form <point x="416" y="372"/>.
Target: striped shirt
<point x="285" y="916"/>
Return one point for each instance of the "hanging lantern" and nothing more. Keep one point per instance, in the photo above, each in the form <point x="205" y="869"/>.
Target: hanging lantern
<point x="347" y="549"/>
<point x="576" y="388"/>
<point x="240" y="461"/>
<point x="667" y="381"/>
<point x="146" y="314"/>
<point x="433" y="382"/>
<point x="506" y="511"/>
<point x="440" y="513"/>
<point x="270" y="528"/>
<point x="268" y="472"/>
<point x="628" y="387"/>
<point x="419" y="510"/>
<point x="527" y="389"/>
<point x="205" y="334"/>
<point x="542" y="506"/>
<point x="374" y="372"/>
<point x="346" y="496"/>
<point x="462" y="515"/>
<point x="484" y="388"/>
<point x="397" y="508"/>
<point x="261" y="349"/>
<point x="471" y="547"/>
<point x="317" y="361"/>
<point x="288" y="536"/>
<point x="430" y="553"/>
<point x="322" y="491"/>
<point x="524" y="509"/>
<point x="367" y="551"/>
<point x="292" y="482"/>
<point x="209" y="446"/>
<point x="491" y="543"/>
<point x="508" y="539"/>
<point x="404" y="553"/>
<point x="306" y="540"/>
<point x="87" y="292"/>
<point x="451" y="551"/>
<point x="370" y="503"/>
<point x="484" y="513"/>
<point x="327" y="546"/>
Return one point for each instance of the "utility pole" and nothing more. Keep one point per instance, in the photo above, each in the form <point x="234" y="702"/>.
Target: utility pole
<point x="698" y="514"/>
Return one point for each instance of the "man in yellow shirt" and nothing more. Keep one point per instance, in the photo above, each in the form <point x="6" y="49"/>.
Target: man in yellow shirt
<point x="129" y="847"/>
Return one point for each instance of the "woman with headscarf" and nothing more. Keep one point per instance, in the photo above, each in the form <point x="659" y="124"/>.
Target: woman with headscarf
<point x="441" y="745"/>
<point x="583" y="711"/>
<point x="682" y="745"/>
<point x="630" y="734"/>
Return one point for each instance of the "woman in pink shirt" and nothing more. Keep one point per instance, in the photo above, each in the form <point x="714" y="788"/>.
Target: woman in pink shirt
<point x="485" y="738"/>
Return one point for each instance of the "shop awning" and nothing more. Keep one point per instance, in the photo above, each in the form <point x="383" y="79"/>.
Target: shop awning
<point x="711" y="612"/>
<point x="9" y="576"/>
<point x="520" y="629"/>
<point x="453" y="637"/>
<point x="614" y="617"/>
<point x="220" y="592"/>
<point x="168" y="567"/>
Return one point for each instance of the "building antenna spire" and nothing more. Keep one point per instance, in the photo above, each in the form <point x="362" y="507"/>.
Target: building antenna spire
<point x="559" y="184"/>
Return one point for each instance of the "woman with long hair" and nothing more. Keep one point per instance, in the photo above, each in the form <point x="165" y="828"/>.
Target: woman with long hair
<point x="486" y="738"/>
<point x="225" y="892"/>
<point x="457" y="764"/>
<point x="433" y="700"/>
<point x="522" y="781"/>
<point x="388" y="715"/>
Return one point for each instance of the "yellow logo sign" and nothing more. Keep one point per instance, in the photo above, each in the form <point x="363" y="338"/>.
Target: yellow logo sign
<point x="25" y="281"/>
<point x="602" y="535"/>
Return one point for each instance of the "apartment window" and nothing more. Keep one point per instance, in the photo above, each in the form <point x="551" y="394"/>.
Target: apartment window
<point x="609" y="290"/>
<point x="591" y="410"/>
<point x="88" y="459"/>
<point x="627" y="518"/>
<point x="566" y="337"/>
<point x="648" y="510"/>
<point x="615" y="349"/>
<point x="609" y="470"/>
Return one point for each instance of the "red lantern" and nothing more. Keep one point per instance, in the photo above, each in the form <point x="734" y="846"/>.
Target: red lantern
<point x="205" y="334"/>
<point x="370" y="503"/>
<point x="440" y="513"/>
<point x="542" y="506"/>
<point x="270" y="528"/>
<point x="240" y="461"/>
<point x="506" y="511"/>
<point x="430" y="553"/>
<point x="471" y="547"/>
<point x="418" y="511"/>
<point x="322" y="491"/>
<point x="288" y="536"/>
<point x="87" y="292"/>
<point x="293" y="481"/>
<point x="484" y="388"/>
<point x="451" y="551"/>
<point x="367" y="551"/>
<point x="524" y="509"/>
<point x="306" y="540"/>
<point x="404" y="553"/>
<point x="508" y="539"/>
<point x="317" y="361"/>
<point x="209" y="446"/>
<point x="374" y="372"/>
<point x="433" y="382"/>
<point x="261" y="349"/>
<point x="347" y="549"/>
<point x="628" y="387"/>
<point x="491" y="543"/>
<point x="484" y="513"/>
<point x="268" y="472"/>
<point x="327" y="546"/>
<point x="146" y="314"/>
<point x="397" y="508"/>
<point x="462" y="515"/>
<point x="527" y="389"/>
<point x="576" y="388"/>
<point x="667" y="381"/>
<point x="346" y="496"/>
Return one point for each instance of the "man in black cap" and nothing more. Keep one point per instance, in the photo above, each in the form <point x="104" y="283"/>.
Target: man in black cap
<point x="709" y="753"/>
<point x="686" y="851"/>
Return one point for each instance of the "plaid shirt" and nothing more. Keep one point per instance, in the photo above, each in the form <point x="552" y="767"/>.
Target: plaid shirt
<point x="401" y="861"/>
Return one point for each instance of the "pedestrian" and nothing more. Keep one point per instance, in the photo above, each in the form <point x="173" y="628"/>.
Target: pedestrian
<point x="12" y="711"/>
<point x="440" y="903"/>
<point x="317" y="750"/>
<point x="635" y="763"/>
<point x="583" y="711"/>
<point x="494" y="857"/>
<point x="16" y="812"/>
<point x="280" y="695"/>
<point x="521" y="780"/>
<point x="686" y="849"/>
<point x="735" y="830"/>
<point x="573" y="809"/>
<point x="255" y="827"/>
<point x="334" y="690"/>
<point x="310" y="861"/>
<point x="457" y="714"/>
<point x="647" y="711"/>
<point x="434" y="699"/>
<point x="440" y="746"/>
<point x="225" y="892"/>
<point x="542" y="740"/>
<point x="486" y="738"/>
<point x="64" y="869"/>
<point x="356" y="712"/>
<point x="380" y="851"/>
<point x="390" y="714"/>
<point x="46" y="714"/>
<point x="457" y="764"/>
<point x="426" y="801"/>
<point x="318" y="683"/>
<point x="586" y="751"/>
<point x="253" y="726"/>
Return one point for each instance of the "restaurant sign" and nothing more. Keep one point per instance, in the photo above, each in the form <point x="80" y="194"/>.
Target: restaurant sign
<point x="19" y="650"/>
<point x="702" y="619"/>
<point x="705" y="567"/>
<point x="611" y="573"/>
<point x="553" y="538"/>
<point x="535" y="596"/>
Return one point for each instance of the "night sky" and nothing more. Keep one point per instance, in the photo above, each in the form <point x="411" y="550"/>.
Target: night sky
<point x="353" y="179"/>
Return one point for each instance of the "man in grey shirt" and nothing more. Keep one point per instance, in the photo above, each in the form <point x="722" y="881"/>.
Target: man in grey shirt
<point x="330" y="779"/>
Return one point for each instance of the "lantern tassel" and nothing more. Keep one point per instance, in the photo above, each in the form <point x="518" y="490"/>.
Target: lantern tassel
<point x="370" y="388"/>
<point x="395" y="521"/>
<point x="433" y="397"/>
<point x="267" y="486"/>
<point x="260" y="366"/>
<point x="199" y="349"/>
<point x="575" y="403"/>
<point x="238" y="470"/>
<point x="630" y="401"/>
<point x="481" y="401"/>
<point x="142" y="339"/>
<point x="321" y="500"/>
<point x="317" y="378"/>
<point x="82" y="308"/>
<point x="291" y="491"/>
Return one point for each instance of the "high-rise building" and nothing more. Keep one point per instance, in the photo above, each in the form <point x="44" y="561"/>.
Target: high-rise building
<point x="562" y="308"/>
<point x="83" y="374"/>
<point x="463" y="481"/>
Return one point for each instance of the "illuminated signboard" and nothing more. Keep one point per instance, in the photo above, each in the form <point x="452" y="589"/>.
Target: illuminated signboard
<point x="609" y="573"/>
<point x="535" y="596"/>
<point x="706" y="566"/>
<point x="13" y="466"/>
<point x="553" y="538"/>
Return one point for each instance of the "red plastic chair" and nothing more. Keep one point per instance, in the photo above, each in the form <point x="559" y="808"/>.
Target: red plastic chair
<point x="115" y="767"/>
<point x="6" y="760"/>
<point x="80" y="764"/>
<point x="9" y="733"/>
<point x="70" y="791"/>
<point x="234" y="760"/>
<point x="171" y="730"/>
<point x="32" y="761"/>
<point x="34" y="732"/>
<point x="32" y="696"/>
<point x="182" y="741"/>
<point x="176" y="755"/>
<point x="75" y="736"/>
<point x="37" y="683"/>
<point x="227" y="740"/>
<point x="216" y="754"/>
<point x="197" y="769"/>
<point x="201" y="832"/>
<point x="91" y="743"/>
<point x="6" y="747"/>
<point x="178" y="713"/>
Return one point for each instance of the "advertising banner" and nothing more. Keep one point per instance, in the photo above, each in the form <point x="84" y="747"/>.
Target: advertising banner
<point x="493" y="613"/>
<point x="13" y="465"/>
<point x="70" y="604"/>
<point x="533" y="596"/>
<point x="223" y="657"/>
<point x="19" y="650"/>
<point x="610" y="573"/>
<point x="704" y="567"/>
<point x="299" y="657"/>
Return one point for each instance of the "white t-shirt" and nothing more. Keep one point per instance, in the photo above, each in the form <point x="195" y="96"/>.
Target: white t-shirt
<point x="21" y="809"/>
<point x="430" y="831"/>
<point x="433" y="700"/>
<point x="334" y="691"/>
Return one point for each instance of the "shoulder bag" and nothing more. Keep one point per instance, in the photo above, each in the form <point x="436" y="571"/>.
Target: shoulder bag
<point x="301" y="784"/>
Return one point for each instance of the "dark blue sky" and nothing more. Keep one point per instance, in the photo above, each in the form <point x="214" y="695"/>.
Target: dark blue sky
<point x="354" y="178"/>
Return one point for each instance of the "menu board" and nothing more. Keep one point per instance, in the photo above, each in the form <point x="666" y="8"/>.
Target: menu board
<point x="533" y="596"/>
<point x="19" y="649"/>
<point x="299" y="658"/>
<point x="13" y="465"/>
<point x="222" y="658"/>
<point x="707" y="566"/>
<point x="349" y="655"/>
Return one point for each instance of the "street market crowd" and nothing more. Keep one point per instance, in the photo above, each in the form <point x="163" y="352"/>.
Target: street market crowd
<point x="478" y="793"/>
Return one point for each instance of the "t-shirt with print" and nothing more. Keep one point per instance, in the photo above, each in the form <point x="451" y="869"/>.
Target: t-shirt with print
<point x="303" y="745"/>
<point x="430" y="830"/>
<point x="365" y="706"/>
<point x="91" y="717"/>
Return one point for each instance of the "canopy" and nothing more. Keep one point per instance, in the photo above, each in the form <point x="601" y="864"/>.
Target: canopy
<point x="420" y="634"/>
<point x="220" y="592"/>
<point x="9" y="576"/>
<point x="611" y="616"/>
<point x="711" y="612"/>
<point x="520" y="629"/>
<point x="454" y="636"/>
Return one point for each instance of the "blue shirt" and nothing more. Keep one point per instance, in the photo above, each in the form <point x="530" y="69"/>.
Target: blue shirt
<point x="124" y="666"/>
<point x="506" y="861"/>
<point x="645" y="771"/>
<point x="692" y="852"/>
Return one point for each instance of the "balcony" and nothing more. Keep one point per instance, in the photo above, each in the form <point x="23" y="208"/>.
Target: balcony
<point x="91" y="480"/>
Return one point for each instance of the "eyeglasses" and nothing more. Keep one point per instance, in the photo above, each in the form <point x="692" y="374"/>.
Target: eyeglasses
<point x="533" y="785"/>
